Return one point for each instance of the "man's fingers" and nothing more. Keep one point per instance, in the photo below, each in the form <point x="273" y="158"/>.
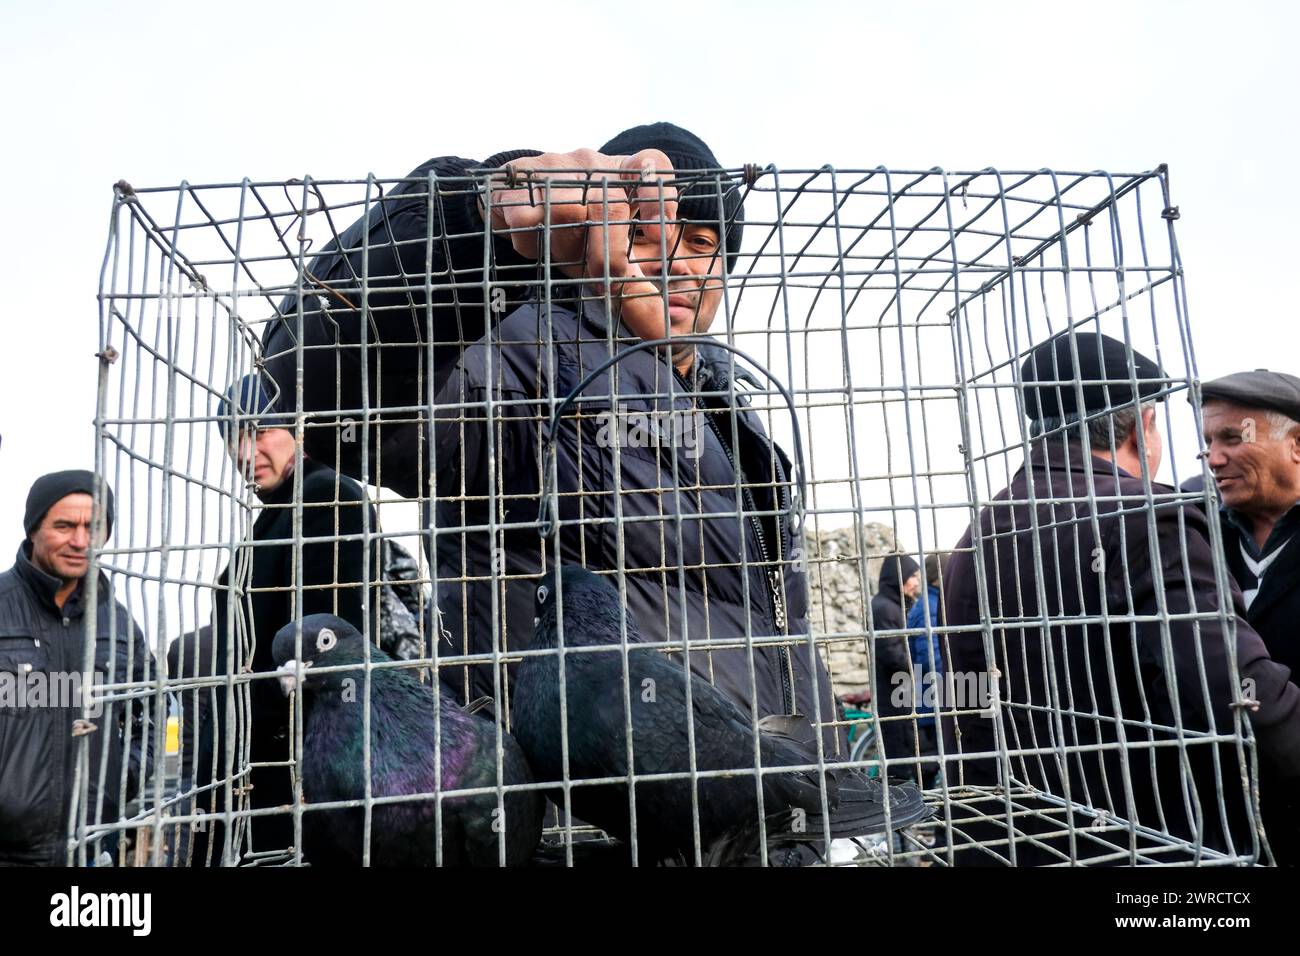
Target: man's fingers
<point x="588" y="199"/>
<point x="608" y="238"/>
<point x="649" y="174"/>
<point x="564" y="213"/>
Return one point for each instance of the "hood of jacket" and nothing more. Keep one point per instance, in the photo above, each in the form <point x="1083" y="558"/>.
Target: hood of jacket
<point x="894" y="573"/>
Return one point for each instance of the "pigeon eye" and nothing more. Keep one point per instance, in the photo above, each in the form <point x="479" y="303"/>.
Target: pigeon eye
<point x="542" y="594"/>
<point x="326" y="640"/>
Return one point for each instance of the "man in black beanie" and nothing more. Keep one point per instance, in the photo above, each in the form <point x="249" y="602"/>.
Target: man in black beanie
<point x="1108" y="632"/>
<point x="619" y="233"/>
<point x="678" y="487"/>
<point x="497" y="300"/>
<point x="43" y="620"/>
<point x="442" y="262"/>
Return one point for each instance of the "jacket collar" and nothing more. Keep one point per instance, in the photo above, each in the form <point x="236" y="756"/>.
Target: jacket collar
<point x="45" y="586"/>
<point x="712" y="366"/>
<point x="283" y="492"/>
<point x="1059" y="454"/>
<point x="712" y="370"/>
<point x="1283" y="531"/>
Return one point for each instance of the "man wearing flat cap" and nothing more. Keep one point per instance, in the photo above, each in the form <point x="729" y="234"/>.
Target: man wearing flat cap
<point x="43" y="619"/>
<point x="1093" y="573"/>
<point x="1251" y="425"/>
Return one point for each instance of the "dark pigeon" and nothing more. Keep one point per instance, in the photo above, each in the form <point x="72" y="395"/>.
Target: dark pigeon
<point x="402" y="761"/>
<point x="727" y="807"/>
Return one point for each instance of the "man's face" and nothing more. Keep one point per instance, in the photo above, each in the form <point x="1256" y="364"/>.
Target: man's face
<point x="61" y="544"/>
<point x="694" y="276"/>
<point x="913" y="586"/>
<point x="1255" y="472"/>
<point x="268" y="452"/>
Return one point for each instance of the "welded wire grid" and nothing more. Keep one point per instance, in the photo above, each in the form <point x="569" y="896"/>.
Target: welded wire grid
<point x="884" y="315"/>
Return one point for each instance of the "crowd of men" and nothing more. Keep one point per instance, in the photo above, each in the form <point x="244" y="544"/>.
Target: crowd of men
<point x="1137" y="651"/>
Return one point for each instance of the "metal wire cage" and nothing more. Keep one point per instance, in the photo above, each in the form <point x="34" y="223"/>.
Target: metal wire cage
<point x="874" y="322"/>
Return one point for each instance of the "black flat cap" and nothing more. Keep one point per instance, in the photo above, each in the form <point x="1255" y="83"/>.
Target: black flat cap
<point x="1103" y="362"/>
<point x="1261" y="388"/>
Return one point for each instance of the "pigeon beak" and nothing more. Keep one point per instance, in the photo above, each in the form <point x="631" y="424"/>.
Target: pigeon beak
<point x="536" y="621"/>
<point x="291" y="674"/>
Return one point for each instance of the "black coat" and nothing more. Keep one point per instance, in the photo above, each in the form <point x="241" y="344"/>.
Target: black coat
<point x="643" y="505"/>
<point x="1276" y="608"/>
<point x="1273" y="614"/>
<point x="38" y="753"/>
<point x="1118" y="557"/>
<point x="892" y="656"/>
<point x="333" y="507"/>
<point x="404" y="243"/>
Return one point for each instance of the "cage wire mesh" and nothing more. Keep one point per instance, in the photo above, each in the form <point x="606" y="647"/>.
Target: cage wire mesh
<point x="874" y="322"/>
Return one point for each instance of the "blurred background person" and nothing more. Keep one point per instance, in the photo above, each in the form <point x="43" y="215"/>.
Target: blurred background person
<point x="892" y="677"/>
<point x="927" y="657"/>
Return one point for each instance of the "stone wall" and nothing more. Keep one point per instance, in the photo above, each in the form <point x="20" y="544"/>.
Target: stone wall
<point x="835" y="583"/>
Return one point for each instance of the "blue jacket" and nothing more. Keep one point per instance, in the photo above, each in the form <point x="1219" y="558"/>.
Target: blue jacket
<point x="923" y="645"/>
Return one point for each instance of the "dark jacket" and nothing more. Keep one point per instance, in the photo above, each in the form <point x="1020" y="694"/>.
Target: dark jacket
<point x="266" y="604"/>
<point x="1276" y="607"/>
<point x="189" y="656"/>
<point x="1273" y="614"/>
<point x="682" y="539"/>
<point x="38" y="753"/>
<point x="1124" y="558"/>
<point x="426" y="234"/>
<point x="891" y="657"/>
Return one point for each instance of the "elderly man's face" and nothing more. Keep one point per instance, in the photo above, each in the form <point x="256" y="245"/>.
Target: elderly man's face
<point x="694" y="275"/>
<point x="1254" y="470"/>
<point x="268" y="452"/>
<point x="60" y="546"/>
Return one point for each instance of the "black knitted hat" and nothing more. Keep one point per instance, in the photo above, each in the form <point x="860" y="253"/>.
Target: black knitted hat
<point x="698" y="196"/>
<point x="48" y="490"/>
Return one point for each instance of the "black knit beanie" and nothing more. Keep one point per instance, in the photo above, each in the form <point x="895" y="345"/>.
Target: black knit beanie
<point x="47" y="490"/>
<point x="698" y="198"/>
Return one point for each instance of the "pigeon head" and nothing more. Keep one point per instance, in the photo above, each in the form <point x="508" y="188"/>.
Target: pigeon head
<point x="593" y="610"/>
<point x="327" y="641"/>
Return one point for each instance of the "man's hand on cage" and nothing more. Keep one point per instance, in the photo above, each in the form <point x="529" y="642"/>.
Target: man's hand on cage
<point x="594" y="199"/>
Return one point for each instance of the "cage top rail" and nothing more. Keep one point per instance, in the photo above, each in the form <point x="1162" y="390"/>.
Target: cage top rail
<point x="735" y="172"/>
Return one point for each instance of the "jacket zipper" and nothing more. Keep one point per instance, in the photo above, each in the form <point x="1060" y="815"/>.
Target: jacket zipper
<point x="773" y="575"/>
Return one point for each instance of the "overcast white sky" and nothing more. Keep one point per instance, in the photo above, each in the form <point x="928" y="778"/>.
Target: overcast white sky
<point x="159" y="92"/>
